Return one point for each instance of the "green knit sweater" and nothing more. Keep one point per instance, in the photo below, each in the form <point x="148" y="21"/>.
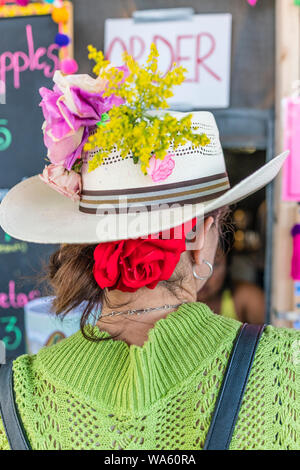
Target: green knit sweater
<point x="80" y="394"/>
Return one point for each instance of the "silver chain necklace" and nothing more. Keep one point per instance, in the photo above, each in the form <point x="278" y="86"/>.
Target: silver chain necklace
<point x="140" y="311"/>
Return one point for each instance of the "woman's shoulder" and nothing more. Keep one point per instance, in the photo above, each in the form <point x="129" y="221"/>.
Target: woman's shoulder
<point x="281" y="347"/>
<point x="31" y="361"/>
<point x="24" y="377"/>
<point x="276" y="362"/>
<point x="30" y="371"/>
<point x="275" y="343"/>
<point x="269" y="410"/>
<point x="286" y="338"/>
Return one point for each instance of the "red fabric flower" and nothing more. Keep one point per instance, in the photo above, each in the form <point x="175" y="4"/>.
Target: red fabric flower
<point x="128" y="265"/>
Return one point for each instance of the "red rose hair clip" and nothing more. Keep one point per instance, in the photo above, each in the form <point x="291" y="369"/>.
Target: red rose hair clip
<point x="128" y="265"/>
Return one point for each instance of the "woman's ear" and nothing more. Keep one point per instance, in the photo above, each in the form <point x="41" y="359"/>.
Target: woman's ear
<point x="201" y="239"/>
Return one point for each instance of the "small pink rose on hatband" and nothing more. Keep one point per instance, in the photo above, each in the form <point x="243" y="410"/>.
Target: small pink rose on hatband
<point x="63" y="181"/>
<point x="160" y="170"/>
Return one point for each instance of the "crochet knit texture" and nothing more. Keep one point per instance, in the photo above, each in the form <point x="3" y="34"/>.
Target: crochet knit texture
<point x="80" y="394"/>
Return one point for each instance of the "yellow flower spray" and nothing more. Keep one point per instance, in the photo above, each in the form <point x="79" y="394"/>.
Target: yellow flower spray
<point x="130" y="127"/>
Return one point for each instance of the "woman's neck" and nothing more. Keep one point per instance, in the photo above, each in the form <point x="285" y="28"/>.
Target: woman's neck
<point x="133" y="329"/>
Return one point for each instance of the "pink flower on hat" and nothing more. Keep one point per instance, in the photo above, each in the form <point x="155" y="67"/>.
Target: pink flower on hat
<point x="160" y="170"/>
<point x="75" y="104"/>
<point x="63" y="181"/>
<point x="67" y="148"/>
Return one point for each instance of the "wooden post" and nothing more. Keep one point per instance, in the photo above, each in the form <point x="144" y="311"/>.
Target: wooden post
<point x="287" y="73"/>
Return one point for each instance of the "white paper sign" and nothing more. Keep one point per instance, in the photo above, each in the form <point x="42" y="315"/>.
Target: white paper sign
<point x="201" y="44"/>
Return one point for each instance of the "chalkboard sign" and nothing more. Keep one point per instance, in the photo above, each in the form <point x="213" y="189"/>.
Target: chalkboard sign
<point x="28" y="60"/>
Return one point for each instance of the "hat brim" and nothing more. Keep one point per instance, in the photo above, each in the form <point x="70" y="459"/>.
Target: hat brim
<point x="34" y="212"/>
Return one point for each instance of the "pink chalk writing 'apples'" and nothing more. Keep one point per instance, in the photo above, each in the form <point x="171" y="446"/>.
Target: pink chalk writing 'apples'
<point x="11" y="299"/>
<point x="33" y="59"/>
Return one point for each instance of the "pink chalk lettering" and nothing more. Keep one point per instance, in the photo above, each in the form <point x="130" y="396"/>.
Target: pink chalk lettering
<point x="179" y="57"/>
<point x="22" y="300"/>
<point x="180" y="38"/>
<point x="12" y="294"/>
<point x="200" y="60"/>
<point x="39" y="53"/>
<point x="3" y="301"/>
<point x="156" y="39"/>
<point x="30" y="45"/>
<point x="132" y="51"/>
<point x="18" y="68"/>
<point x="48" y="72"/>
<point x="16" y="301"/>
<point x="200" y="46"/>
<point x="20" y="61"/>
<point x="114" y="42"/>
<point x="4" y="67"/>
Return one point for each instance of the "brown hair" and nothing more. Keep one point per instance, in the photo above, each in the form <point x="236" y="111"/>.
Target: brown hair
<point x="70" y="276"/>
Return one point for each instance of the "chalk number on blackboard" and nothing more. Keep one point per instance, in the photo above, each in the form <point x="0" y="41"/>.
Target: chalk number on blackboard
<point x="13" y="338"/>
<point x="5" y="135"/>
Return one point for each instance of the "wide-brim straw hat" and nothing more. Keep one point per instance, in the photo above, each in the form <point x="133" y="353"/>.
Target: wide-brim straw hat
<point x="119" y="202"/>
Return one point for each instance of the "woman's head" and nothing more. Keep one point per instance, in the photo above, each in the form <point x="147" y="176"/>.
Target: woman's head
<point x="97" y="274"/>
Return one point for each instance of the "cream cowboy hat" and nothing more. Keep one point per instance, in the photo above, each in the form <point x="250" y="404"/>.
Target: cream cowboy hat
<point x="119" y="202"/>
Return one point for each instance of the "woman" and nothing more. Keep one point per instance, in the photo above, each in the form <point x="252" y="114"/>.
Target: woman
<point x="147" y="374"/>
<point x="242" y="300"/>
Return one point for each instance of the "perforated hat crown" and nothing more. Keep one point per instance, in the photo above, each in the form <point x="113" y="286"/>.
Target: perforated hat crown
<point x="198" y="175"/>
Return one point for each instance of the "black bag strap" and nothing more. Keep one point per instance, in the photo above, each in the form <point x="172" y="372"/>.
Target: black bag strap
<point x="10" y="417"/>
<point x="233" y="387"/>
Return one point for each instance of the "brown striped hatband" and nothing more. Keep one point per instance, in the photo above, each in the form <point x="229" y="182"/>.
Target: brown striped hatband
<point x="154" y="197"/>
